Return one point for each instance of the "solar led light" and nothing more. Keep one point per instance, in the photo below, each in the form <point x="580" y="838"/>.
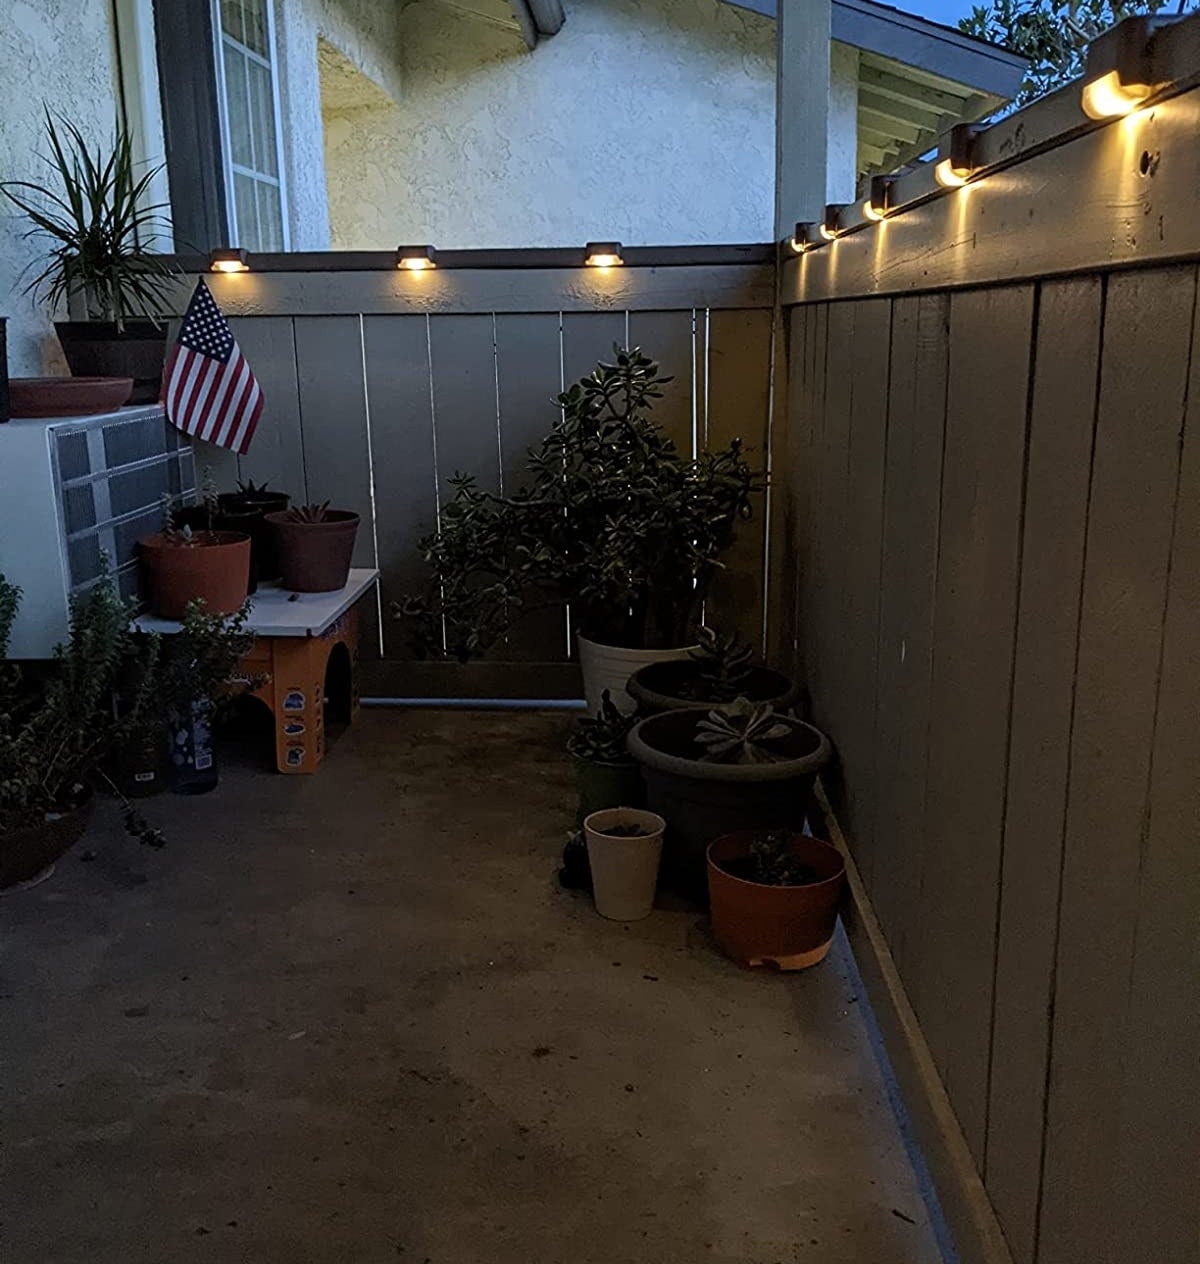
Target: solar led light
<point x="416" y="258"/>
<point x="603" y="254"/>
<point x="228" y="260"/>
<point x="803" y="238"/>
<point x="1119" y="73"/>
<point x="956" y="156"/>
<point x="832" y="223"/>
<point x="879" y="200"/>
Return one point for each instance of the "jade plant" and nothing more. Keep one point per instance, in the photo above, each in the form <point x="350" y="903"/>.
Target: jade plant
<point x="600" y="738"/>
<point x="610" y="518"/>
<point x="742" y="733"/>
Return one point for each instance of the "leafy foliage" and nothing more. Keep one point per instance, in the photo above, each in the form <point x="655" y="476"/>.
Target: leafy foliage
<point x="723" y="664"/>
<point x="92" y="212"/>
<point x="773" y="863"/>
<point x="612" y="519"/>
<point x="741" y="734"/>
<point x="600" y="738"/>
<point x="1054" y="34"/>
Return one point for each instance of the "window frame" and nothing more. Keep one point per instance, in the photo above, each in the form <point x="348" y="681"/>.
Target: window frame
<point x="231" y="169"/>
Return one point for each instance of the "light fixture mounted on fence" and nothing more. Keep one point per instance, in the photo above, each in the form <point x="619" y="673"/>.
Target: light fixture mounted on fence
<point x="831" y="225"/>
<point x="956" y="156"/>
<point x="416" y="258"/>
<point x="228" y="260"/>
<point x="603" y="254"/>
<point x="803" y="238"/>
<point x="879" y="200"/>
<point x="1120" y="72"/>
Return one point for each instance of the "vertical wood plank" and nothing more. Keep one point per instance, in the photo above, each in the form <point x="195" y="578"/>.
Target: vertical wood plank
<point x="811" y="597"/>
<point x="528" y="367"/>
<point x="912" y="504"/>
<point x="397" y="375"/>
<point x="333" y="422"/>
<point x="1147" y="335"/>
<point x="975" y="608"/>
<point x="668" y="338"/>
<point x="862" y="527"/>
<point x="790" y="545"/>
<point x="1059" y="465"/>
<point x="1159" y="1158"/>
<point x="588" y="337"/>
<point x="463" y="359"/>
<point x="276" y="453"/>
<point x="739" y="393"/>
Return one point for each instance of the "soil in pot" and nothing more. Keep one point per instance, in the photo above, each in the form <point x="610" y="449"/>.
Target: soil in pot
<point x="701" y="800"/>
<point x="788" y="924"/>
<point x="624" y="846"/>
<point x="213" y="566"/>
<point x="96" y="348"/>
<point x="315" y="556"/>
<point x="669" y="686"/>
<point x="26" y="852"/>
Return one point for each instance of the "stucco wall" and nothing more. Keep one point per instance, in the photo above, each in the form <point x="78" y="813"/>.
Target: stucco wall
<point x="61" y="52"/>
<point x="651" y="121"/>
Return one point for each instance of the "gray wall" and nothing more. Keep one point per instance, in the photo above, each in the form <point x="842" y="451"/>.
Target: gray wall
<point x="996" y="535"/>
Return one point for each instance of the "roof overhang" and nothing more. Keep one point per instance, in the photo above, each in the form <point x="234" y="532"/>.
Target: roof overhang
<point x="916" y="78"/>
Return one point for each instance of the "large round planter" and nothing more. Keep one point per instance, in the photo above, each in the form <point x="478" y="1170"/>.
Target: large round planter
<point x="701" y="801"/>
<point x="214" y="567"/>
<point x="610" y="667"/>
<point x="624" y="870"/>
<point x="96" y="348"/>
<point x="67" y="396"/>
<point x="24" y="853"/>
<point x="607" y="786"/>
<point x="787" y="927"/>
<point x="673" y="685"/>
<point x="315" y="556"/>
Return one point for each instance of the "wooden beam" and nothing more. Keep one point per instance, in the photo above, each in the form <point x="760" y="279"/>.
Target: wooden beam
<point x="923" y="118"/>
<point x="899" y="87"/>
<point x="888" y="124"/>
<point x="874" y="155"/>
<point x="802" y="113"/>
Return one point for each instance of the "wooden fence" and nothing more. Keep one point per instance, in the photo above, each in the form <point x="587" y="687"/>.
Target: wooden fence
<point x="380" y="386"/>
<point x="995" y="515"/>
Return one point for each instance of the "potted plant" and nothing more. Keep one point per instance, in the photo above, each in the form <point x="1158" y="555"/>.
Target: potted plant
<point x="181" y="565"/>
<point x="624" y="846"/>
<point x="246" y="510"/>
<point x="606" y="775"/>
<point x="774" y="896"/>
<point x="719" y="670"/>
<point x="713" y="772"/>
<point x="315" y="545"/>
<point x="59" y="726"/>
<point x="101" y="262"/>
<point x="611" y="519"/>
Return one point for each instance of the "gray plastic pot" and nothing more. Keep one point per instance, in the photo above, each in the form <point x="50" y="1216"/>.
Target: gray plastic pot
<point x="667" y="686"/>
<point x="700" y="801"/>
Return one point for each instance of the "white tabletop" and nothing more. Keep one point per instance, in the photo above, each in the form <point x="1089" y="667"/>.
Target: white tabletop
<point x="276" y="611"/>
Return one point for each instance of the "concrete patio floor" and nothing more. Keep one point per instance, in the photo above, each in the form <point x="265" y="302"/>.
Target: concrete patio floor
<point x="351" y="1018"/>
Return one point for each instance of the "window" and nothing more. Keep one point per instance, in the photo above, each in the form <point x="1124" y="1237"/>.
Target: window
<point x="248" y="101"/>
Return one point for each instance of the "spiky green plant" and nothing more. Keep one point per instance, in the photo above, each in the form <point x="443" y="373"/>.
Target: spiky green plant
<point x="92" y="210"/>
<point x="309" y="513"/>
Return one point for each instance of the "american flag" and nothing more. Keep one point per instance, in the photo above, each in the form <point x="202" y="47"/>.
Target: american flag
<point x="208" y="388"/>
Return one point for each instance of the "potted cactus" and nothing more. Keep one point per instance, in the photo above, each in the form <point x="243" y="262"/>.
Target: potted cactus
<point x="315" y="546"/>
<point x="713" y="772"/>
<point x="182" y="564"/>
<point x="717" y="671"/>
<point x="774" y="896"/>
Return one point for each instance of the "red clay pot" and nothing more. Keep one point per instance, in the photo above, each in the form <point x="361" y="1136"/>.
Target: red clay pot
<point x="67" y="396"/>
<point x="315" y="556"/>
<point x="24" y="853"/>
<point x="789" y="927"/>
<point x="214" y="567"/>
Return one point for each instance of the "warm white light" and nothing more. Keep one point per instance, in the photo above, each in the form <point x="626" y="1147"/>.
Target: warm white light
<point x="228" y="260"/>
<point x="1108" y="97"/>
<point x="230" y="265"/>
<point x="415" y="263"/>
<point x="948" y="175"/>
<point x="870" y="211"/>
<point x="796" y="246"/>
<point x="604" y="261"/>
<point x="828" y="233"/>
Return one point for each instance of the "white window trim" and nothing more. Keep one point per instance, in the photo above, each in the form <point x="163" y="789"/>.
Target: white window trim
<point x="272" y="64"/>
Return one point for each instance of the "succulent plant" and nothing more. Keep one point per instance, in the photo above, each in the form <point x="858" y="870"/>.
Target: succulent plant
<point x="600" y="739"/>
<point x="723" y="664"/>
<point x="741" y="734"/>
<point x="773" y="863"/>
<point x="309" y="513"/>
<point x="251" y="488"/>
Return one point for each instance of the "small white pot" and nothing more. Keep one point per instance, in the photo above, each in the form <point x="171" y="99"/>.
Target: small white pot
<point x="624" y="870"/>
<point x="610" y="666"/>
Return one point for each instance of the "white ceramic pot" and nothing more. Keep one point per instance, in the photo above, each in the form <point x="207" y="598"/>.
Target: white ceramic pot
<point x="610" y="666"/>
<point x="624" y="869"/>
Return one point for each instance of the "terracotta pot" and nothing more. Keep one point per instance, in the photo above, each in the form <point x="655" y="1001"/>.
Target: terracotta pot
<point x="214" y="567"/>
<point x="315" y="556"/>
<point x="96" y="348"/>
<point x="24" y="853"/>
<point x="788" y="927"/>
<point x="67" y="396"/>
<point x="669" y="686"/>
